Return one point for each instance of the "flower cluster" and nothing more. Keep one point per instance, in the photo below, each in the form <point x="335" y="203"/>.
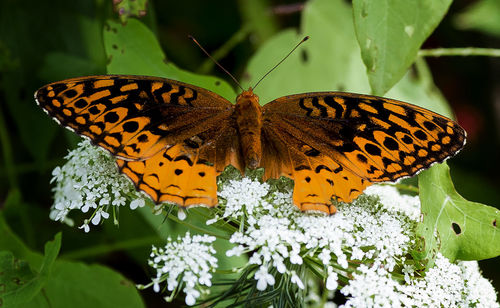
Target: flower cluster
<point x="363" y="250"/>
<point x="90" y="182"/>
<point x="278" y="234"/>
<point x="444" y="285"/>
<point x="186" y="263"/>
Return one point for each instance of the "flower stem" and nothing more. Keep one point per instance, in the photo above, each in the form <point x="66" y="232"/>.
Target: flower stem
<point x="467" y="51"/>
<point x="194" y="227"/>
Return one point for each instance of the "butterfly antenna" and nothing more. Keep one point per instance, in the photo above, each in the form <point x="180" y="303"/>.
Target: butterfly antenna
<point x="296" y="46"/>
<point x="215" y="61"/>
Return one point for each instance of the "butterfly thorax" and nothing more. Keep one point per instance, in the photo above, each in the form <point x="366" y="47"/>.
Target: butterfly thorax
<point x="248" y="114"/>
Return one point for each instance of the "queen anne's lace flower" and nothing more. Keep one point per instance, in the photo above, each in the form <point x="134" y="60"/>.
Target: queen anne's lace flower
<point x="444" y="285"/>
<point x="90" y="182"/>
<point x="379" y="234"/>
<point x="187" y="262"/>
<point x="366" y="243"/>
<point x="263" y="278"/>
<point x="279" y="234"/>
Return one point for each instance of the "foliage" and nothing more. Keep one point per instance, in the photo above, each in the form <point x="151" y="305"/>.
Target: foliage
<point x="84" y="38"/>
<point x="466" y="230"/>
<point x="390" y="34"/>
<point x="481" y="15"/>
<point x="62" y="281"/>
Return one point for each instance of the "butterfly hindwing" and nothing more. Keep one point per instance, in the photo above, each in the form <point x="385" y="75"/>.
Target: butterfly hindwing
<point x="318" y="179"/>
<point x="174" y="175"/>
<point x="371" y="138"/>
<point x="165" y="135"/>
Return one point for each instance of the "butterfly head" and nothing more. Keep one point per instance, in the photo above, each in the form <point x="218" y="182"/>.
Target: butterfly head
<point x="248" y="95"/>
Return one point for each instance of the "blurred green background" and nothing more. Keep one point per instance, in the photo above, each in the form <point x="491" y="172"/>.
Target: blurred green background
<point x="45" y="41"/>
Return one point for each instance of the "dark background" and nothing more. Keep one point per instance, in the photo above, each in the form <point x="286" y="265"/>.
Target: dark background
<point x="34" y="34"/>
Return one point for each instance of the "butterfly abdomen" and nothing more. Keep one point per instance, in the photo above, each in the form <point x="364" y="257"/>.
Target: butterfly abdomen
<point x="249" y="120"/>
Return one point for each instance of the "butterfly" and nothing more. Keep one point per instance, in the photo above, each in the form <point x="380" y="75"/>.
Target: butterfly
<point x="172" y="139"/>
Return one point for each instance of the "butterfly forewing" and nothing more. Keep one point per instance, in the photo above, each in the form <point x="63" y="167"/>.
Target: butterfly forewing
<point x="371" y="138"/>
<point x="165" y="135"/>
<point x="132" y="117"/>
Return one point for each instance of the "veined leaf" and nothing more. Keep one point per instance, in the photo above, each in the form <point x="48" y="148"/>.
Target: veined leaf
<point x="21" y="284"/>
<point x="390" y="33"/>
<point x="458" y="228"/>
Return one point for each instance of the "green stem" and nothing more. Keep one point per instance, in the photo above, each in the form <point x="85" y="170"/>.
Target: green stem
<point x="107" y="248"/>
<point x="466" y="51"/>
<point x="225" y="271"/>
<point x="201" y="230"/>
<point x="220" y="53"/>
<point x="221" y="225"/>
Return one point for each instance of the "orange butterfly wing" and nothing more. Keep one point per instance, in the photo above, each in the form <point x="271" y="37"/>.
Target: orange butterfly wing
<point x="166" y="135"/>
<point x="335" y="144"/>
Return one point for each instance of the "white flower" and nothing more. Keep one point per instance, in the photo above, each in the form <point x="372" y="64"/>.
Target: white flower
<point x="156" y="285"/>
<point x="295" y="258"/>
<point x="189" y="260"/>
<point x="365" y="231"/>
<point x="243" y="197"/>
<point x="88" y="180"/>
<point x="444" y="285"/>
<point x="212" y="221"/>
<point x="136" y="203"/>
<point x="331" y="281"/>
<point x="85" y="227"/>
<point x="263" y="278"/>
<point x="181" y="214"/>
<point x="191" y="296"/>
<point x="97" y="216"/>
<point x="325" y="256"/>
<point x="280" y="232"/>
<point x="295" y="279"/>
<point x="235" y="251"/>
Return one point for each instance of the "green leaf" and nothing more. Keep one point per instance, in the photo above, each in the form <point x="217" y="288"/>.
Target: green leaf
<point x="328" y="61"/>
<point x="21" y="284"/>
<point x="390" y="33"/>
<point x="9" y="241"/>
<point x="418" y="88"/>
<point x="14" y="274"/>
<point x="75" y="284"/>
<point x="133" y="49"/>
<point x="481" y="15"/>
<point x="465" y="230"/>
<point x="64" y="283"/>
